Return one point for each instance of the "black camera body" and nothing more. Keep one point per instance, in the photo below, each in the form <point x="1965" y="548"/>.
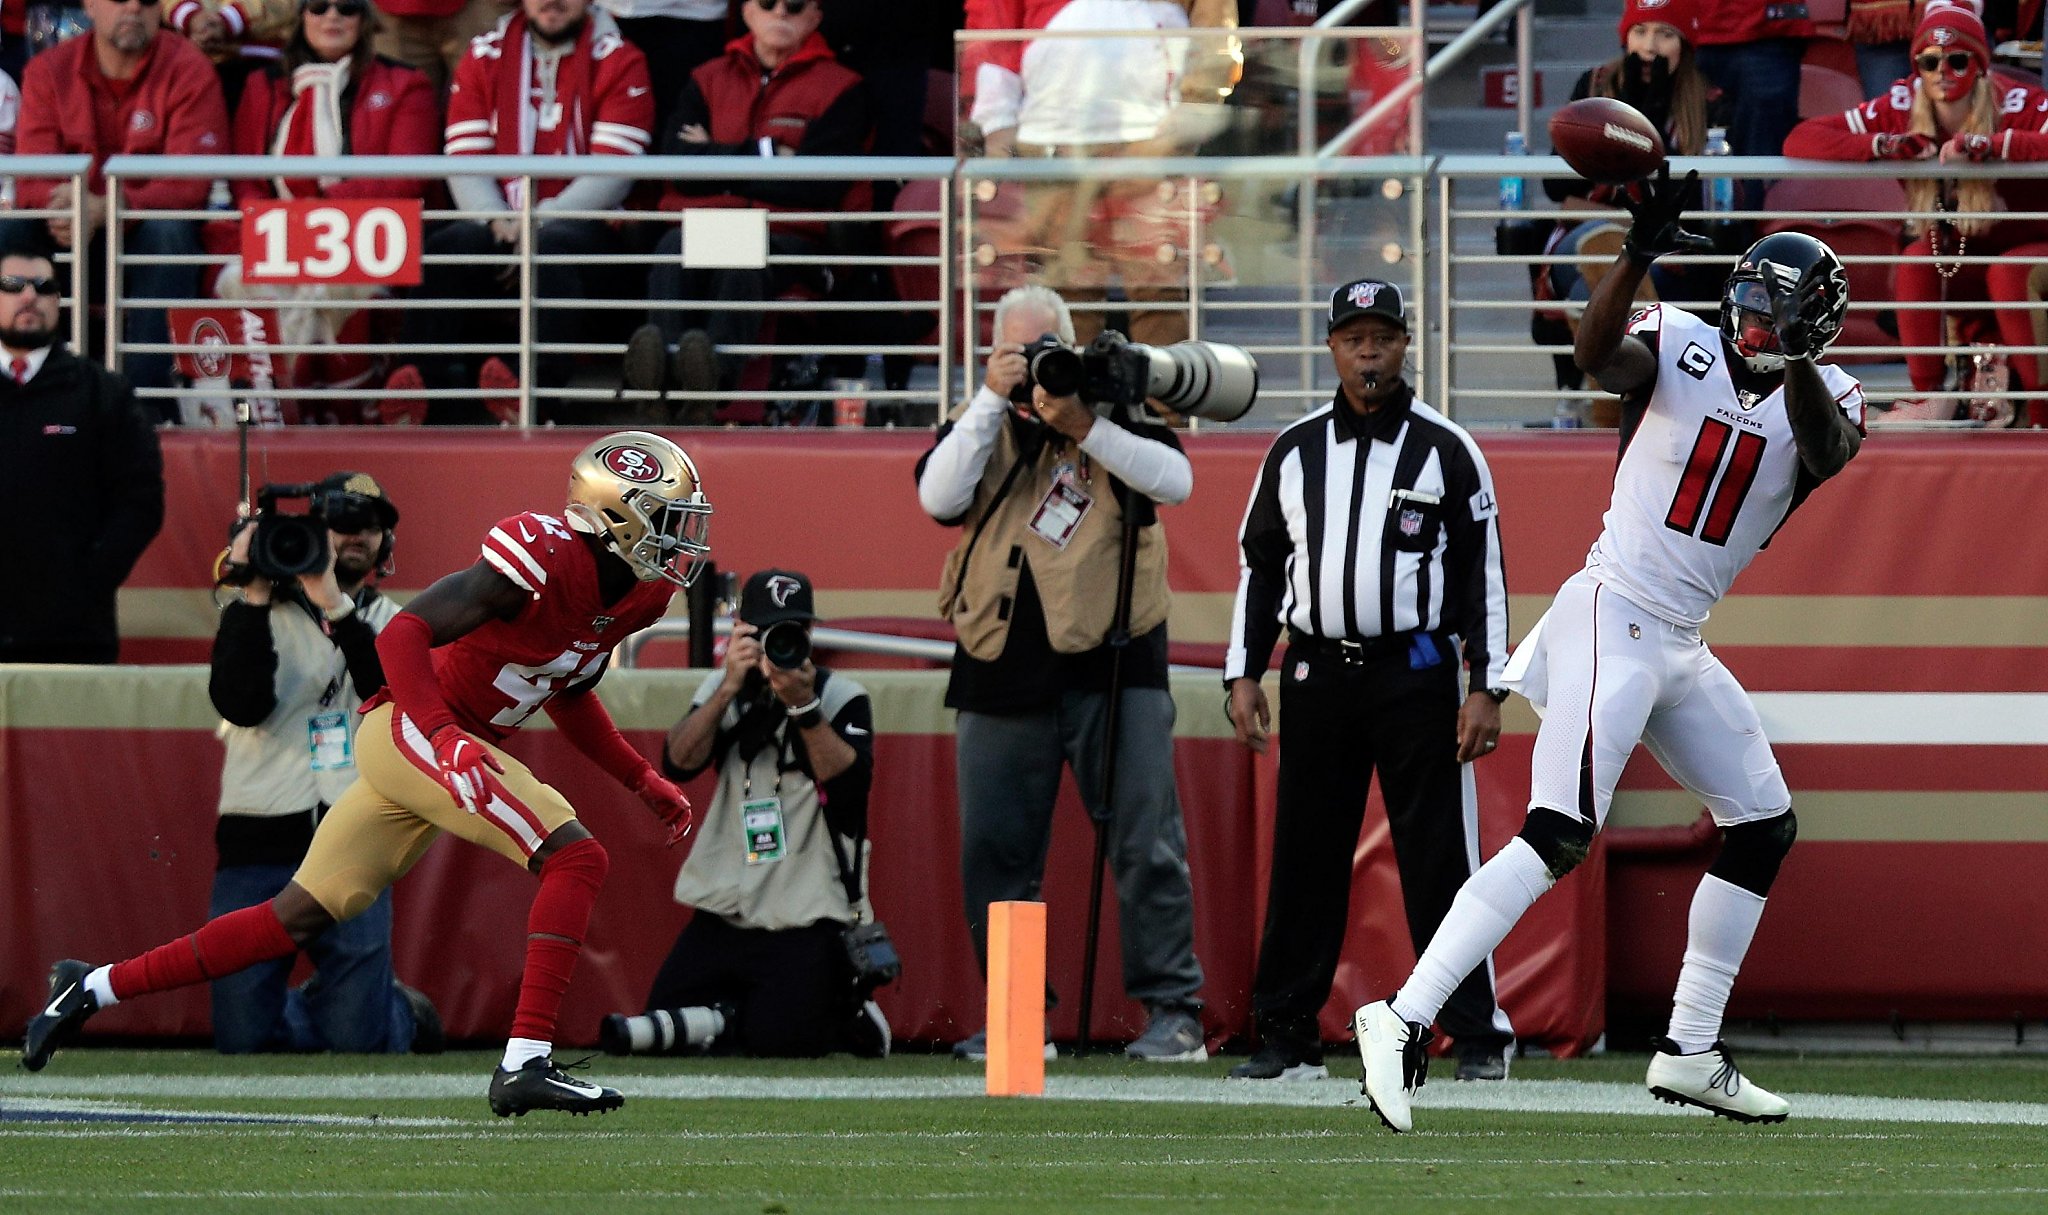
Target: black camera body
<point x="1207" y="379"/>
<point x="786" y="643"/>
<point x="285" y="545"/>
<point x="288" y="545"/>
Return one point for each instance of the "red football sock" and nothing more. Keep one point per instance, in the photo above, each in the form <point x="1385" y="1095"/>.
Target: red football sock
<point x="569" y="882"/>
<point x="222" y="946"/>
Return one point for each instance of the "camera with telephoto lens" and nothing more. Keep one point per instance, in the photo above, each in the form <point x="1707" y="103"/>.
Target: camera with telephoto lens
<point x="286" y="545"/>
<point x="1211" y="380"/>
<point x="787" y="644"/>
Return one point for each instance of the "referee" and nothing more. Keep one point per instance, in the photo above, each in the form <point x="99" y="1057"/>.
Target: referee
<point x="1371" y="536"/>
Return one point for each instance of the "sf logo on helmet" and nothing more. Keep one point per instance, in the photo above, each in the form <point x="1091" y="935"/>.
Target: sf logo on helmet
<point x="631" y="464"/>
<point x="781" y="587"/>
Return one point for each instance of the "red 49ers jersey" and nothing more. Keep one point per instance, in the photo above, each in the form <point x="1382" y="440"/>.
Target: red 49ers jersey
<point x="1709" y="474"/>
<point x="502" y="673"/>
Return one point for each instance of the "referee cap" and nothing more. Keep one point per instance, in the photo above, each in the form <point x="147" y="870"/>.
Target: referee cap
<point x="1366" y="297"/>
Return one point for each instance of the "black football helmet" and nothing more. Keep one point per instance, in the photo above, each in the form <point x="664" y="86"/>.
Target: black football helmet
<point x="1781" y="262"/>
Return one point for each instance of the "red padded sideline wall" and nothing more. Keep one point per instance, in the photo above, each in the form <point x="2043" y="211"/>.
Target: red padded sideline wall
<point x="108" y="779"/>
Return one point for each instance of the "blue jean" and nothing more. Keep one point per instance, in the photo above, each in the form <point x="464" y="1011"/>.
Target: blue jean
<point x="1761" y="82"/>
<point x="352" y="1003"/>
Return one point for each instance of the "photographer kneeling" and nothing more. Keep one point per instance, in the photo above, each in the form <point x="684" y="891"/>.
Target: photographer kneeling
<point x="295" y="655"/>
<point x="778" y="870"/>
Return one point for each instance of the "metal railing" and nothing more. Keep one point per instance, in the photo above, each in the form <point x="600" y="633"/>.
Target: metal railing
<point x="1472" y="351"/>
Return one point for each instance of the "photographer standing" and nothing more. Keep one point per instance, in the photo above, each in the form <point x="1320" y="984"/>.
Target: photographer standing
<point x="778" y="872"/>
<point x="1372" y="536"/>
<point x="1039" y="485"/>
<point x="293" y="659"/>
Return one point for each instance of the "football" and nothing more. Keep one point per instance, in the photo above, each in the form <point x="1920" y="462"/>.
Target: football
<point x="1606" y="141"/>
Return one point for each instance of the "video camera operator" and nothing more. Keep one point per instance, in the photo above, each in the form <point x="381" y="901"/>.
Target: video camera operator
<point x="777" y="875"/>
<point x="1039" y="485"/>
<point x="293" y="658"/>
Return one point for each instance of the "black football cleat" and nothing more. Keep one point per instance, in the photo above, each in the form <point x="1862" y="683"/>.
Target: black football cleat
<point x="70" y="1004"/>
<point x="539" y="1085"/>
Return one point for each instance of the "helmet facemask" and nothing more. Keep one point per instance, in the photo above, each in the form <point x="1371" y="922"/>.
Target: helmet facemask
<point x="1749" y="327"/>
<point x="641" y="493"/>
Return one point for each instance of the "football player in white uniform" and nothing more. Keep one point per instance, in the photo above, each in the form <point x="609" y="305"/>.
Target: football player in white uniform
<point x="1723" y="433"/>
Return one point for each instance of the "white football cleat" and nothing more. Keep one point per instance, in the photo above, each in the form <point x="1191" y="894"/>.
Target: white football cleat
<point x="1711" y="1081"/>
<point x="1395" y="1062"/>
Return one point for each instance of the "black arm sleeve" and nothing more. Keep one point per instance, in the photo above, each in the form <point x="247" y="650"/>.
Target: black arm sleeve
<point x="1471" y="571"/>
<point x="842" y="130"/>
<point x="357" y="641"/>
<point x="243" y="681"/>
<point x="1266" y="547"/>
<point x="132" y="463"/>
<point x="692" y="110"/>
<point x="846" y="795"/>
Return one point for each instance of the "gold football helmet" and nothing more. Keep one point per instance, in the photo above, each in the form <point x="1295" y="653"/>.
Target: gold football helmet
<point x="641" y="493"/>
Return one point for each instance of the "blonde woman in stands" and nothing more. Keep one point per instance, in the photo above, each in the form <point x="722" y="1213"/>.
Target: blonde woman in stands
<point x="1953" y="109"/>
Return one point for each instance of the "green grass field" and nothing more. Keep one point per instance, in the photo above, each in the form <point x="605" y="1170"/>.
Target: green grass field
<point x="105" y="1130"/>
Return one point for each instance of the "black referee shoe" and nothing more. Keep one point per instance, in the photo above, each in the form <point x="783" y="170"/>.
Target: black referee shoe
<point x="70" y="1004"/>
<point x="540" y="1085"/>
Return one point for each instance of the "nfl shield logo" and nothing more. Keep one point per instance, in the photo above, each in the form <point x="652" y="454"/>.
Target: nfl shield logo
<point x="1411" y="522"/>
<point x="1300" y="671"/>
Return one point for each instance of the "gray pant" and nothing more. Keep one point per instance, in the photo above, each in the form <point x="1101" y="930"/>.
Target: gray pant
<point x="1009" y="771"/>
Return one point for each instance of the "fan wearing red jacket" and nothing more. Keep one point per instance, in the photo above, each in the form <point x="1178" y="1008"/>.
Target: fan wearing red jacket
<point x="124" y="88"/>
<point x="553" y="79"/>
<point x="530" y="626"/>
<point x="1954" y="109"/>
<point x="777" y="91"/>
<point x="330" y="96"/>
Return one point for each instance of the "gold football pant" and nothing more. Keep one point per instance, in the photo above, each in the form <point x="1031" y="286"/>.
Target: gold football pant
<point x="398" y="806"/>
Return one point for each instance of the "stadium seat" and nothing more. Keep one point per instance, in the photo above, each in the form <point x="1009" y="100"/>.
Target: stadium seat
<point x="1835" y="54"/>
<point x="1850" y="236"/>
<point x="1824" y="91"/>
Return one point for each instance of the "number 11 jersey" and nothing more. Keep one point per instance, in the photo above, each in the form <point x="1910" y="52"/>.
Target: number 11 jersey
<point x="1707" y="475"/>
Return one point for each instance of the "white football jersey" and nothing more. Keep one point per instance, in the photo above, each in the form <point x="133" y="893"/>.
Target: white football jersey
<point x="1709" y="474"/>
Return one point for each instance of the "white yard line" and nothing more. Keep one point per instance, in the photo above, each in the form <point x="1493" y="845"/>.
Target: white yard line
<point x="1340" y="1097"/>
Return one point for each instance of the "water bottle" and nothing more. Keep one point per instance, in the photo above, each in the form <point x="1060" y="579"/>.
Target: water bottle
<point x="1512" y="189"/>
<point x="1720" y="188"/>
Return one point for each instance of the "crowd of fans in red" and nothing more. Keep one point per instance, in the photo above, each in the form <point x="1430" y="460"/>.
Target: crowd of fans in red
<point x="847" y="77"/>
<point x="468" y="77"/>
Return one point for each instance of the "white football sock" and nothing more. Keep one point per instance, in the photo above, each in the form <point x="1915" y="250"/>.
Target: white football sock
<point x="101" y="984"/>
<point x="520" y="1051"/>
<point x="1487" y="907"/>
<point x="1718" y="932"/>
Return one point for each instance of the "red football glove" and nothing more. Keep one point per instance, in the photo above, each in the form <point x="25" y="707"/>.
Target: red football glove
<point x="668" y="803"/>
<point x="465" y="766"/>
<point x="1910" y="146"/>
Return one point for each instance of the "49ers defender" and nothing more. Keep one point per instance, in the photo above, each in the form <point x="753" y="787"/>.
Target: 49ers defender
<point x="1723" y="434"/>
<point x="530" y="626"/>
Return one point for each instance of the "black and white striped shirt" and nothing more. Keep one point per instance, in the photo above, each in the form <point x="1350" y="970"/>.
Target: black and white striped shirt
<point x="1363" y="526"/>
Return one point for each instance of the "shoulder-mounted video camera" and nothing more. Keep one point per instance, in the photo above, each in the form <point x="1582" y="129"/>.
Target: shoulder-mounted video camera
<point x="287" y="545"/>
<point x="1205" y="379"/>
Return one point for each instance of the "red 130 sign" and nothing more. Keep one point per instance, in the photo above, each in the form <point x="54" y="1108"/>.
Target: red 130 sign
<point x="357" y="241"/>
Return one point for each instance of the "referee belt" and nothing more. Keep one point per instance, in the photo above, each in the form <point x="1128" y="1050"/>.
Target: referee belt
<point x="1354" y="651"/>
